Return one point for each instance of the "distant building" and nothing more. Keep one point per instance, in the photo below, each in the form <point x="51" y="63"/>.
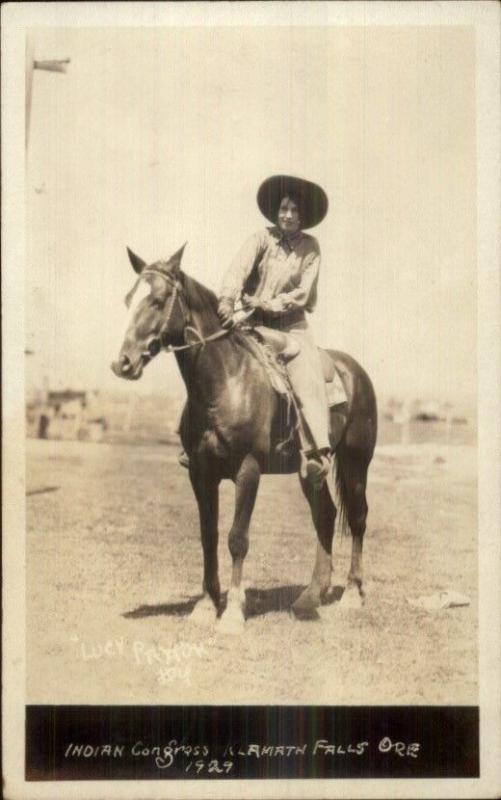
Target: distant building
<point x="65" y="414"/>
<point x="428" y="411"/>
<point x="397" y="411"/>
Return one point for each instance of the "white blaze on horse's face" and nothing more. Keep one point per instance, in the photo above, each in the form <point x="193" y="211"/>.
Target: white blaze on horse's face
<point x="142" y="292"/>
<point x="148" y="318"/>
<point x="141" y="342"/>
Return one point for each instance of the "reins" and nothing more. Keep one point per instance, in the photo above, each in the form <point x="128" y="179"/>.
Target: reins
<point x="171" y="348"/>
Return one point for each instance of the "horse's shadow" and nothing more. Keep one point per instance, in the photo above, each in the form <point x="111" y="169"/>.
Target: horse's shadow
<point x="258" y="603"/>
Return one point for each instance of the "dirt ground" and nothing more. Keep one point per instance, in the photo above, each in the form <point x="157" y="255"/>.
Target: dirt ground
<point x="114" y="567"/>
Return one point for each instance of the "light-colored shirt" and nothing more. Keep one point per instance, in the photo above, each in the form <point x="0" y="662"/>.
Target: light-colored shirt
<point x="287" y="270"/>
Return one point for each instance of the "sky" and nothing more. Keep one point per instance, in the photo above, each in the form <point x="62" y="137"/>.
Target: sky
<point x="156" y="136"/>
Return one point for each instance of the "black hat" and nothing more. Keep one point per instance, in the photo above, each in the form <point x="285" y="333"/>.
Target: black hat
<point x="310" y="198"/>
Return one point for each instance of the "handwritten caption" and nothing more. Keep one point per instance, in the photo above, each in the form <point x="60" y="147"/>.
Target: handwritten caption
<point x="174" y="663"/>
<point x="170" y="664"/>
<point x="198" y="758"/>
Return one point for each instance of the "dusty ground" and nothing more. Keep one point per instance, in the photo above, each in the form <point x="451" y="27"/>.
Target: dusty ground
<point x="114" y="566"/>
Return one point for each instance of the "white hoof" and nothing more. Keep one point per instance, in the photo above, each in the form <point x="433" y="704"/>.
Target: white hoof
<point x="232" y="622"/>
<point x="352" y="598"/>
<point x="204" y="613"/>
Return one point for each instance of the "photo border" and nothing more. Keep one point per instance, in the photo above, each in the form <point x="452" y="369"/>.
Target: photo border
<point x="484" y="16"/>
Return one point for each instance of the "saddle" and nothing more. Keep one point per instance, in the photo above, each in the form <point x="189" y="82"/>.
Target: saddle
<point x="274" y="349"/>
<point x="273" y="353"/>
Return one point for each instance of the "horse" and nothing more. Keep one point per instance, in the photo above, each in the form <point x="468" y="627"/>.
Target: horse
<point x="231" y="424"/>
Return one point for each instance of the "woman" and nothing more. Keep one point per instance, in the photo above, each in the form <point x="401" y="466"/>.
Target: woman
<point x="276" y="274"/>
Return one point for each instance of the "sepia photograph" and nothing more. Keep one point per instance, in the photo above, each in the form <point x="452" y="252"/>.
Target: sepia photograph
<point x="249" y="374"/>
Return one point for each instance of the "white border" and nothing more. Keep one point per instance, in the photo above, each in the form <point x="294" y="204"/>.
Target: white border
<point x="485" y="17"/>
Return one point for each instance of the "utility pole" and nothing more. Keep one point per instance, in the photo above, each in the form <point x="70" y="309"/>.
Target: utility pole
<point x="57" y="65"/>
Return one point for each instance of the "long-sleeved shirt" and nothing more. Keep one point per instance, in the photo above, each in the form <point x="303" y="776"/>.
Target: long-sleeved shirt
<point x="284" y="271"/>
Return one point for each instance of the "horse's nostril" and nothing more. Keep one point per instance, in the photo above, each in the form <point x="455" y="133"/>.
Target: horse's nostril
<point x="125" y="364"/>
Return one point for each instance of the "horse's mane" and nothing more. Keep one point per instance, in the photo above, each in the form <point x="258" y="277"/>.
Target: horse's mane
<point x="199" y="297"/>
<point x="205" y="302"/>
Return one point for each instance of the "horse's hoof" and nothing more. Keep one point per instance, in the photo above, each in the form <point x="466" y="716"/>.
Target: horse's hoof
<point x="352" y="598"/>
<point x="204" y="613"/>
<point x="305" y="607"/>
<point x="232" y="623"/>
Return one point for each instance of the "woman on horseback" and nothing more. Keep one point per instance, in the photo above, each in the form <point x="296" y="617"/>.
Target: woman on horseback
<point x="276" y="274"/>
<point x="232" y="413"/>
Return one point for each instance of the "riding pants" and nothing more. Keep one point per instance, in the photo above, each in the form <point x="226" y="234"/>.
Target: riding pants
<point x="308" y="383"/>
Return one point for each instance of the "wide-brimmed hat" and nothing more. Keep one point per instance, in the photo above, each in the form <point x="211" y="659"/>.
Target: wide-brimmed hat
<point x="311" y="199"/>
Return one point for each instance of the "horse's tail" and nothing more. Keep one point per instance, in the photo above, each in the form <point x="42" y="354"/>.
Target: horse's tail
<point x="342" y="497"/>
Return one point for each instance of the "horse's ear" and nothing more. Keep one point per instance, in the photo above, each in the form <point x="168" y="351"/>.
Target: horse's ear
<point x="174" y="262"/>
<point x="136" y="262"/>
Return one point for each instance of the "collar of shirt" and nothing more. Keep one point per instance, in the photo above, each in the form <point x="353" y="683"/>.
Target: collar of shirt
<point x="289" y="243"/>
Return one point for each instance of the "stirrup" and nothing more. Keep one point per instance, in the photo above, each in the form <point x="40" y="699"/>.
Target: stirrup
<point x="316" y="467"/>
<point x="183" y="459"/>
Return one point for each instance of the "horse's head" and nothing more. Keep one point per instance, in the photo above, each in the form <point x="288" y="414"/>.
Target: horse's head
<point x="155" y="318"/>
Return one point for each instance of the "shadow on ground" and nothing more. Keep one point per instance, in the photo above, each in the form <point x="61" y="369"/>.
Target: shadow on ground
<point x="258" y="603"/>
<point x="42" y="490"/>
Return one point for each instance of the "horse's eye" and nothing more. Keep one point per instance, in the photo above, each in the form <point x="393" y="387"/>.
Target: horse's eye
<point x="153" y="347"/>
<point x="156" y="302"/>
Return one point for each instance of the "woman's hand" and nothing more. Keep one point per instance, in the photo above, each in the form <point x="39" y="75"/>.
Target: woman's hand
<point x="225" y="311"/>
<point x="265" y="306"/>
<point x="251" y="301"/>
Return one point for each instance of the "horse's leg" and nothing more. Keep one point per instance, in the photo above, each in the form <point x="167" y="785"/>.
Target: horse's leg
<point x="246" y="486"/>
<point x="323" y="512"/>
<point x="206" y="490"/>
<point x="353" y="466"/>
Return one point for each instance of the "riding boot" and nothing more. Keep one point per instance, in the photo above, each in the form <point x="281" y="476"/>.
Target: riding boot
<point x="316" y="465"/>
<point x="183" y="459"/>
<point x="315" y="462"/>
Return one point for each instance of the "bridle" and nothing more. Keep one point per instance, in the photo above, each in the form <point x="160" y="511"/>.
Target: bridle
<point x="177" y="293"/>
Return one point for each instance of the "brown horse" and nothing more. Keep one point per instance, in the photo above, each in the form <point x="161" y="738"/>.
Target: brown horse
<point x="231" y="425"/>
